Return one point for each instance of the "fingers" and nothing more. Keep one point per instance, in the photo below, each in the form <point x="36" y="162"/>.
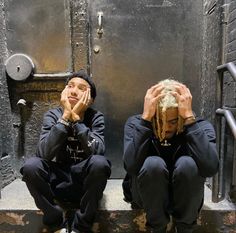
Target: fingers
<point x="182" y="89"/>
<point x="156" y="89"/>
<point x="87" y="99"/>
<point x="84" y="101"/>
<point x="64" y="92"/>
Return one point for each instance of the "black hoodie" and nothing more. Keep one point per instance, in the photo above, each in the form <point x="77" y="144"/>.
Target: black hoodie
<point x="198" y="141"/>
<point x="58" y="141"/>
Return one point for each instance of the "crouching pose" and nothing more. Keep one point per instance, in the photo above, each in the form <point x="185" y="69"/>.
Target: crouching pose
<point x="168" y="153"/>
<point x="69" y="165"/>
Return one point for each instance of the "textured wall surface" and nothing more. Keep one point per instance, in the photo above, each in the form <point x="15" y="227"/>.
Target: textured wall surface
<point x="230" y="96"/>
<point x="79" y="34"/>
<point x="212" y="39"/>
<point x="230" y="54"/>
<point x="6" y="142"/>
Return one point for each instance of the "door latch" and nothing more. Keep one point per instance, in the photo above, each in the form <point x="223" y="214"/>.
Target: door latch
<point x="100" y="22"/>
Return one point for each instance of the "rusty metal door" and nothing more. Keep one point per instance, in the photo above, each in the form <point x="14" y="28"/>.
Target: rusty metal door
<point x="135" y="44"/>
<point x="40" y="29"/>
<point x="126" y="45"/>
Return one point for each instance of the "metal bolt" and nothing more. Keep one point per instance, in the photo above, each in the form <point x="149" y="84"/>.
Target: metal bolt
<point x="96" y="49"/>
<point x="21" y="102"/>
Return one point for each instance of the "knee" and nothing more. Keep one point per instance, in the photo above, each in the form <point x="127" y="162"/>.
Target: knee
<point x="31" y="167"/>
<point x="99" y="165"/>
<point x="186" y="168"/>
<point x="153" y="168"/>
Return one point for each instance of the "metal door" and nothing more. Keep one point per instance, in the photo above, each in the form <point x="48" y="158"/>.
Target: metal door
<point x="40" y="29"/>
<point x="127" y="45"/>
<point x="135" y="44"/>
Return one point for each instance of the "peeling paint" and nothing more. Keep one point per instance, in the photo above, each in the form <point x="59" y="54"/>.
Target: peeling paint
<point x="113" y="216"/>
<point x="140" y="220"/>
<point x="96" y="227"/>
<point x="230" y="218"/>
<point x="12" y="218"/>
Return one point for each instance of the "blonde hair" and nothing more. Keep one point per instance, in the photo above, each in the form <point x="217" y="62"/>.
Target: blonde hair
<point x="168" y="101"/>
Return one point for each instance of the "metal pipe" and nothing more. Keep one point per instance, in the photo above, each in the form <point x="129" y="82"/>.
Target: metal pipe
<point x="222" y="143"/>
<point x="230" y="67"/>
<point x="218" y="124"/>
<point x="234" y="166"/>
<point x="229" y="119"/>
<point x="216" y="178"/>
<point x="55" y="75"/>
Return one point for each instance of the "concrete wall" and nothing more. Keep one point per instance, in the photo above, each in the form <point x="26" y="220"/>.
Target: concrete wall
<point x="211" y="57"/>
<point x="6" y="129"/>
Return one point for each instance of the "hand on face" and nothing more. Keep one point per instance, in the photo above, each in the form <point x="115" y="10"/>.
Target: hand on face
<point x="75" y="112"/>
<point x="150" y="101"/>
<point x="82" y="105"/>
<point x="65" y="104"/>
<point x="184" y="99"/>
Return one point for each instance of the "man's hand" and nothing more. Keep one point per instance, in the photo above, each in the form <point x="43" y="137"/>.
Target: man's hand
<point x="65" y="105"/>
<point x="150" y="101"/>
<point x="184" y="99"/>
<point x="81" y="106"/>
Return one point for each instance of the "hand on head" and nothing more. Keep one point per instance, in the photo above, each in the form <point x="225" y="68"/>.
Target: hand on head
<point x="158" y="91"/>
<point x="184" y="99"/>
<point x="153" y="95"/>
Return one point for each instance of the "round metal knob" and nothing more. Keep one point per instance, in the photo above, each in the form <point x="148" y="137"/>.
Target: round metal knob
<point x="19" y="67"/>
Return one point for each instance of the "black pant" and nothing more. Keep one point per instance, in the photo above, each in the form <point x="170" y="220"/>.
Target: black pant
<point x="82" y="183"/>
<point x="179" y="192"/>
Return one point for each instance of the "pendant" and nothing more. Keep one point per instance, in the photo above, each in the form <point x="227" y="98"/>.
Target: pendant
<point x="165" y="143"/>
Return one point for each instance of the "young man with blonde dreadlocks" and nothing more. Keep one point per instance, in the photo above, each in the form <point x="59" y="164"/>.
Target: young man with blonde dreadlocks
<point x="168" y="153"/>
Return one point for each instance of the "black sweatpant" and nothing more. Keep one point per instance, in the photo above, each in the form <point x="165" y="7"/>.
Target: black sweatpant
<point x="179" y="192"/>
<point x="82" y="183"/>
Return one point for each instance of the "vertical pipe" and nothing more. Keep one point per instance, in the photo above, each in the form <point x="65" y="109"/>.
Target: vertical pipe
<point x="234" y="166"/>
<point x="219" y="101"/>
<point x="218" y="124"/>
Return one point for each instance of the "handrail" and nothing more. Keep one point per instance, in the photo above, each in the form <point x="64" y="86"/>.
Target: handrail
<point x="230" y="67"/>
<point x="229" y="119"/>
<point x="217" y="184"/>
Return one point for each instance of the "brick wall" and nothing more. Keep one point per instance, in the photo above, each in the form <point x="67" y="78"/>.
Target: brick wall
<point x="230" y="93"/>
<point x="230" y="54"/>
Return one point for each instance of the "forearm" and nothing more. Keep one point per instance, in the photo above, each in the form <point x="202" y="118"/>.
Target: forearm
<point x="202" y="148"/>
<point x="51" y="142"/>
<point x="91" y="142"/>
<point x="136" y="145"/>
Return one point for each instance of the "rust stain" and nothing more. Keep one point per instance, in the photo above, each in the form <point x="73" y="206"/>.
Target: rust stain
<point x="39" y="212"/>
<point x="124" y="226"/>
<point x="12" y="218"/>
<point x="140" y="220"/>
<point x="96" y="227"/>
<point x="113" y="216"/>
<point x="230" y="218"/>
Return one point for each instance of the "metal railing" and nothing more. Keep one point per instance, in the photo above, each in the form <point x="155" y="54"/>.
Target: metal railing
<point x="217" y="186"/>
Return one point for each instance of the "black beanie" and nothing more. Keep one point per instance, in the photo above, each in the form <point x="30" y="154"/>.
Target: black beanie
<point x="82" y="74"/>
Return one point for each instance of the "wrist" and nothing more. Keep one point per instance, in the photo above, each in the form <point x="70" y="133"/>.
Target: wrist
<point x="66" y="116"/>
<point x="189" y="120"/>
<point x="64" y="122"/>
<point x="146" y="117"/>
<point x="75" y="117"/>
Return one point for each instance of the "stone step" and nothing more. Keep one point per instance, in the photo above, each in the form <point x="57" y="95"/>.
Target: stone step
<point x="18" y="213"/>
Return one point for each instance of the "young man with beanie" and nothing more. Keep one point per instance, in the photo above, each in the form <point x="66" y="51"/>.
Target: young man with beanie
<point x="168" y="153"/>
<point x="69" y="165"/>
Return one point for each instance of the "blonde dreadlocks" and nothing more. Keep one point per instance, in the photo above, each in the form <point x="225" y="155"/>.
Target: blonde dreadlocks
<point x="168" y="101"/>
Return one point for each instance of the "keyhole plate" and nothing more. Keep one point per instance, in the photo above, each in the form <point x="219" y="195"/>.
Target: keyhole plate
<point x="19" y="67"/>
